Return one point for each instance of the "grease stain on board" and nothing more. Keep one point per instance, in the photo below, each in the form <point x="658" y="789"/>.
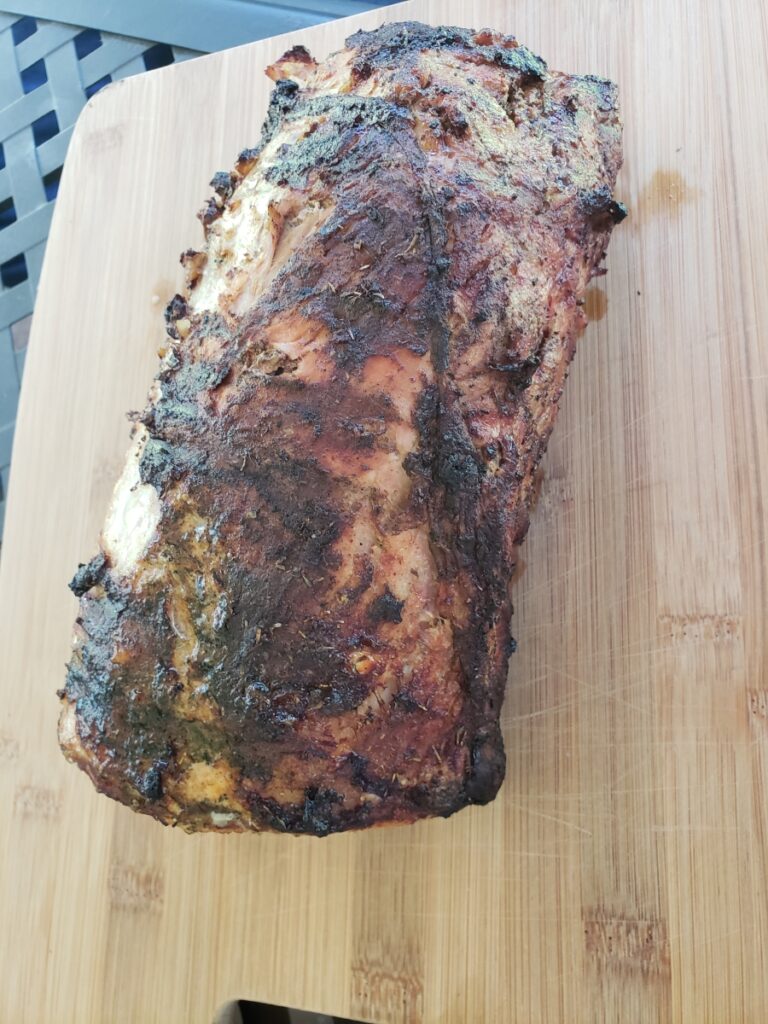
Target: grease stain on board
<point x="159" y="297"/>
<point x="665" y="193"/>
<point x="595" y="304"/>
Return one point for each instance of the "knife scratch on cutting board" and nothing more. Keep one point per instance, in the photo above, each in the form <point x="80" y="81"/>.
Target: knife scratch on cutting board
<point x="551" y="817"/>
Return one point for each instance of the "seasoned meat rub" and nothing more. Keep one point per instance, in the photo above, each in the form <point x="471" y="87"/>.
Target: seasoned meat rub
<point x="299" y="616"/>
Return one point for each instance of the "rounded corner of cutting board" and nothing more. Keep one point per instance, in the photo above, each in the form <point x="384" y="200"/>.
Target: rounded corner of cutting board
<point x="103" y="104"/>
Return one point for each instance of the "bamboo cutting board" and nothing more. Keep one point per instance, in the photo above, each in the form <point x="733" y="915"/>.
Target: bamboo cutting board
<point x="621" y="875"/>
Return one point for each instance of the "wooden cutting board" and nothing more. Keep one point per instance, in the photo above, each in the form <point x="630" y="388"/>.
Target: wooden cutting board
<point x="622" y="874"/>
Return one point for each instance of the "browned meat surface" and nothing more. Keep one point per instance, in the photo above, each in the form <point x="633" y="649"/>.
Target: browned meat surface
<point x="299" y="619"/>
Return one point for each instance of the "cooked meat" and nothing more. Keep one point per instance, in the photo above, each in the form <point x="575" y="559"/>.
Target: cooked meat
<point x="299" y="617"/>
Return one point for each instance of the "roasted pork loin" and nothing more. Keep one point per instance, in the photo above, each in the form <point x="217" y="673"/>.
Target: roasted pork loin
<point x="299" y="619"/>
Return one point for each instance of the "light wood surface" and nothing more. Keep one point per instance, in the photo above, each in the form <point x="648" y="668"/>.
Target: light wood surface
<point x="622" y="873"/>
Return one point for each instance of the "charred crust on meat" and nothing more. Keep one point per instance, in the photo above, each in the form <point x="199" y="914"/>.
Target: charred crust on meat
<point x="210" y="212"/>
<point x="518" y="372"/>
<point x="361" y="71"/>
<point x="162" y="463"/>
<point x="599" y="205"/>
<point x="364" y="778"/>
<point x="176" y="309"/>
<point x="353" y="594"/>
<point x="223" y="183"/>
<point x="337" y="147"/>
<point x="617" y="211"/>
<point x="246" y="160"/>
<point x="488" y="765"/>
<point x="605" y="91"/>
<point x="193" y="263"/>
<point x="454" y="122"/>
<point x="150" y="782"/>
<point x="408" y="39"/>
<point x="282" y="101"/>
<point x="298" y="54"/>
<point x="88" y="575"/>
<point x="319" y="811"/>
<point x="386" y="608"/>
<point x="458" y="466"/>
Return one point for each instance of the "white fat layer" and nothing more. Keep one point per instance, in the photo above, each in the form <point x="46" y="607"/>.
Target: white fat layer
<point x="220" y="818"/>
<point x="244" y="237"/>
<point x="68" y="726"/>
<point x="133" y="515"/>
<point x="240" y="236"/>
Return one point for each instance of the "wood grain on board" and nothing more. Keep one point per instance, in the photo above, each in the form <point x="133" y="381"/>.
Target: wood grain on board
<point x="622" y="874"/>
